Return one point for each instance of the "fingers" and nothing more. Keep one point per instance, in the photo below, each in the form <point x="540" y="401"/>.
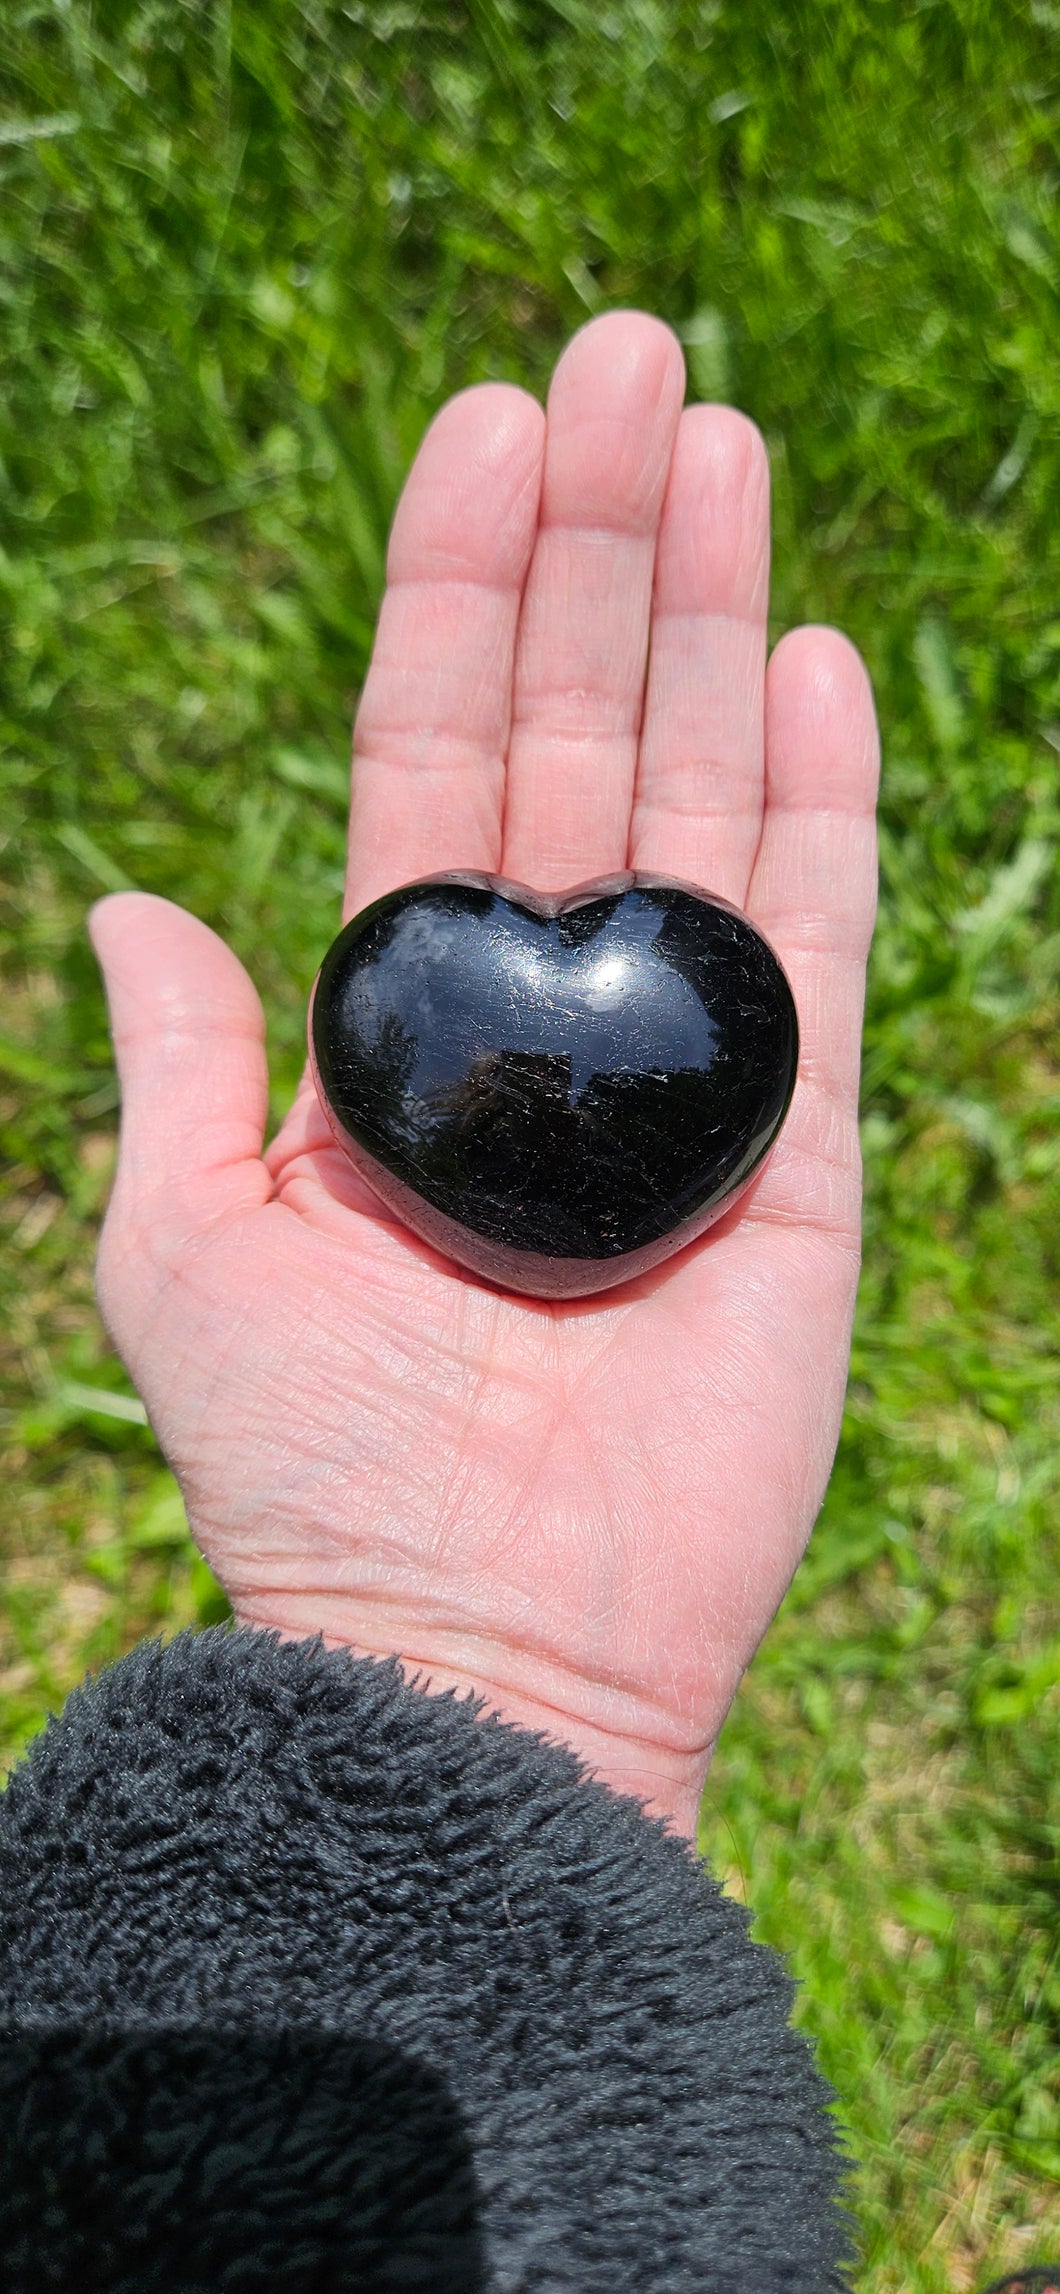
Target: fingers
<point x="432" y="728"/>
<point x="613" y="412"/>
<point x="813" y="886"/>
<point x="189" y="1038"/>
<point x="697" y="809"/>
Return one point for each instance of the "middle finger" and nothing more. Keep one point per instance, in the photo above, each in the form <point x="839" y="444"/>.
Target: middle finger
<point x="613" y="412"/>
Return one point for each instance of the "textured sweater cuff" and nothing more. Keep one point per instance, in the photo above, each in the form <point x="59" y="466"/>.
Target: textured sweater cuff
<point x="301" y="1961"/>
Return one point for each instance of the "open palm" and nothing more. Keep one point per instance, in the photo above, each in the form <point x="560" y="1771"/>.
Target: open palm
<point x="588" y="1510"/>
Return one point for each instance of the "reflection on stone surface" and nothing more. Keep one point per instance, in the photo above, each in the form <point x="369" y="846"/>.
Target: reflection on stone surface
<point x="556" y="1090"/>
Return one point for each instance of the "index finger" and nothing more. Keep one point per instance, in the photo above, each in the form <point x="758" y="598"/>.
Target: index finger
<point x="431" y="733"/>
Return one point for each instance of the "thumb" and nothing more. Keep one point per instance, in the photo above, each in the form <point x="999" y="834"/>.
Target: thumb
<point x="189" y="1038"/>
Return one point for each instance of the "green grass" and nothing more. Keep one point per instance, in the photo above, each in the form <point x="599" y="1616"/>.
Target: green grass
<point x="244" y="253"/>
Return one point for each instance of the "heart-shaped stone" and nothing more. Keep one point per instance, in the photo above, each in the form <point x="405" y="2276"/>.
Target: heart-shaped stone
<point x="555" y="1089"/>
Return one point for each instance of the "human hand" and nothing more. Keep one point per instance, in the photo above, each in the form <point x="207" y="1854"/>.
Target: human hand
<point x="586" y="1510"/>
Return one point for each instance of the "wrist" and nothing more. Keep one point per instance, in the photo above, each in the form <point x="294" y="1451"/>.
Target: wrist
<point x="618" y="1733"/>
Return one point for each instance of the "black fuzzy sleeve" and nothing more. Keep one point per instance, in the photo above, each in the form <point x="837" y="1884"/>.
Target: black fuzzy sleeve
<point x="311" y="1980"/>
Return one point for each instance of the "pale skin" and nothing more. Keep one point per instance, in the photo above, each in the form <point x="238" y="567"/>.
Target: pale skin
<point x="585" y="1511"/>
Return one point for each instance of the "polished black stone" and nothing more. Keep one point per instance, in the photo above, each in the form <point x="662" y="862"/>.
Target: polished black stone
<point x="557" y="1090"/>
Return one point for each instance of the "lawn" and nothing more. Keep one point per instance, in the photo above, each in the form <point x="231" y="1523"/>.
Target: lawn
<point x="245" y="251"/>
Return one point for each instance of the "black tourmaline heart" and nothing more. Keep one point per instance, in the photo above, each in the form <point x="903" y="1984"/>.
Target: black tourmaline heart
<point x="559" y="1089"/>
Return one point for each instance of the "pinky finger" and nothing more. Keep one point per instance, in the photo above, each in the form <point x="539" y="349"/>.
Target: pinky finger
<point x="813" y="886"/>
